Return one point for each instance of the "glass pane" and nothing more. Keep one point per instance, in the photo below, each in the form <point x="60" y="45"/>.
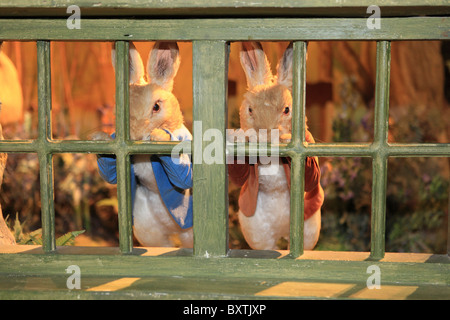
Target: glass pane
<point x="20" y="197"/>
<point x="83" y="89"/>
<point x="347" y="184"/>
<point x="18" y="90"/>
<point x="84" y="202"/>
<point x="340" y="90"/>
<point x="419" y="94"/>
<point x="417" y="205"/>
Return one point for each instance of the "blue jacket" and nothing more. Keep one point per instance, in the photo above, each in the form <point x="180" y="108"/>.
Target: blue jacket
<point x="173" y="176"/>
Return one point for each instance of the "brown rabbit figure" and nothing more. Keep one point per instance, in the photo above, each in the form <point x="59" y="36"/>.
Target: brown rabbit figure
<point x="160" y="185"/>
<point x="264" y="201"/>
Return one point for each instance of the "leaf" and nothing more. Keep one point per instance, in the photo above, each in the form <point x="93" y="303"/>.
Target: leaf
<point x="68" y="238"/>
<point x="34" y="237"/>
<point x="18" y="229"/>
<point x="114" y="202"/>
<point x="35" y="240"/>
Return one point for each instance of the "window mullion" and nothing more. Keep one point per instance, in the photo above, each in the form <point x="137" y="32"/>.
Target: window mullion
<point x="44" y="149"/>
<point x="210" y="187"/>
<point x="298" y="137"/>
<point x="121" y="146"/>
<point x="380" y="155"/>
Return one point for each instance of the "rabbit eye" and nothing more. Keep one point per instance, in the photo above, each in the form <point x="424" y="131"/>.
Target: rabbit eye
<point x="286" y="110"/>
<point x="250" y="110"/>
<point x="156" y="107"/>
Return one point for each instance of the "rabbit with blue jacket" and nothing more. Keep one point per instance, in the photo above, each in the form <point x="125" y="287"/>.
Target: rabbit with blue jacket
<point x="160" y="185"/>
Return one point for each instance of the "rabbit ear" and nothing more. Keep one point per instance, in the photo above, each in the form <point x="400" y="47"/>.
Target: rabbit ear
<point x="255" y="64"/>
<point x="284" y="68"/>
<point x="136" y="64"/>
<point x="163" y="64"/>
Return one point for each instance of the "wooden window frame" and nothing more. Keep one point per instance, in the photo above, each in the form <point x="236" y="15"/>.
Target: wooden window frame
<point x="211" y="38"/>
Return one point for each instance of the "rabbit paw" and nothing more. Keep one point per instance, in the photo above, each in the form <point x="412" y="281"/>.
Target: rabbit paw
<point x="286" y="138"/>
<point x="159" y="135"/>
<point x="100" y="135"/>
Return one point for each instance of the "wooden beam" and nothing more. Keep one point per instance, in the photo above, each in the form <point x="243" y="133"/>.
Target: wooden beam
<point x="229" y="29"/>
<point x="210" y="198"/>
<point x="196" y="8"/>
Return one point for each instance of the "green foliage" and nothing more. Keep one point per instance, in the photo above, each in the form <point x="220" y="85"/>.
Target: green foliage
<point x="418" y="192"/>
<point x="35" y="237"/>
<point x="79" y="191"/>
<point x="68" y="238"/>
<point x="417" y="208"/>
<point x="346" y="210"/>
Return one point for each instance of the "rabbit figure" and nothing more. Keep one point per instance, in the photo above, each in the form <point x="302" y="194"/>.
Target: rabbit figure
<point x="264" y="200"/>
<point x="161" y="185"/>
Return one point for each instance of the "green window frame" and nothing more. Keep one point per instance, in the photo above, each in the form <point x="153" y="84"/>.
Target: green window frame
<point x="210" y="37"/>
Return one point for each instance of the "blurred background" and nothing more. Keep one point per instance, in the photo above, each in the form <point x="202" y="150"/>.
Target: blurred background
<point x="339" y="106"/>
